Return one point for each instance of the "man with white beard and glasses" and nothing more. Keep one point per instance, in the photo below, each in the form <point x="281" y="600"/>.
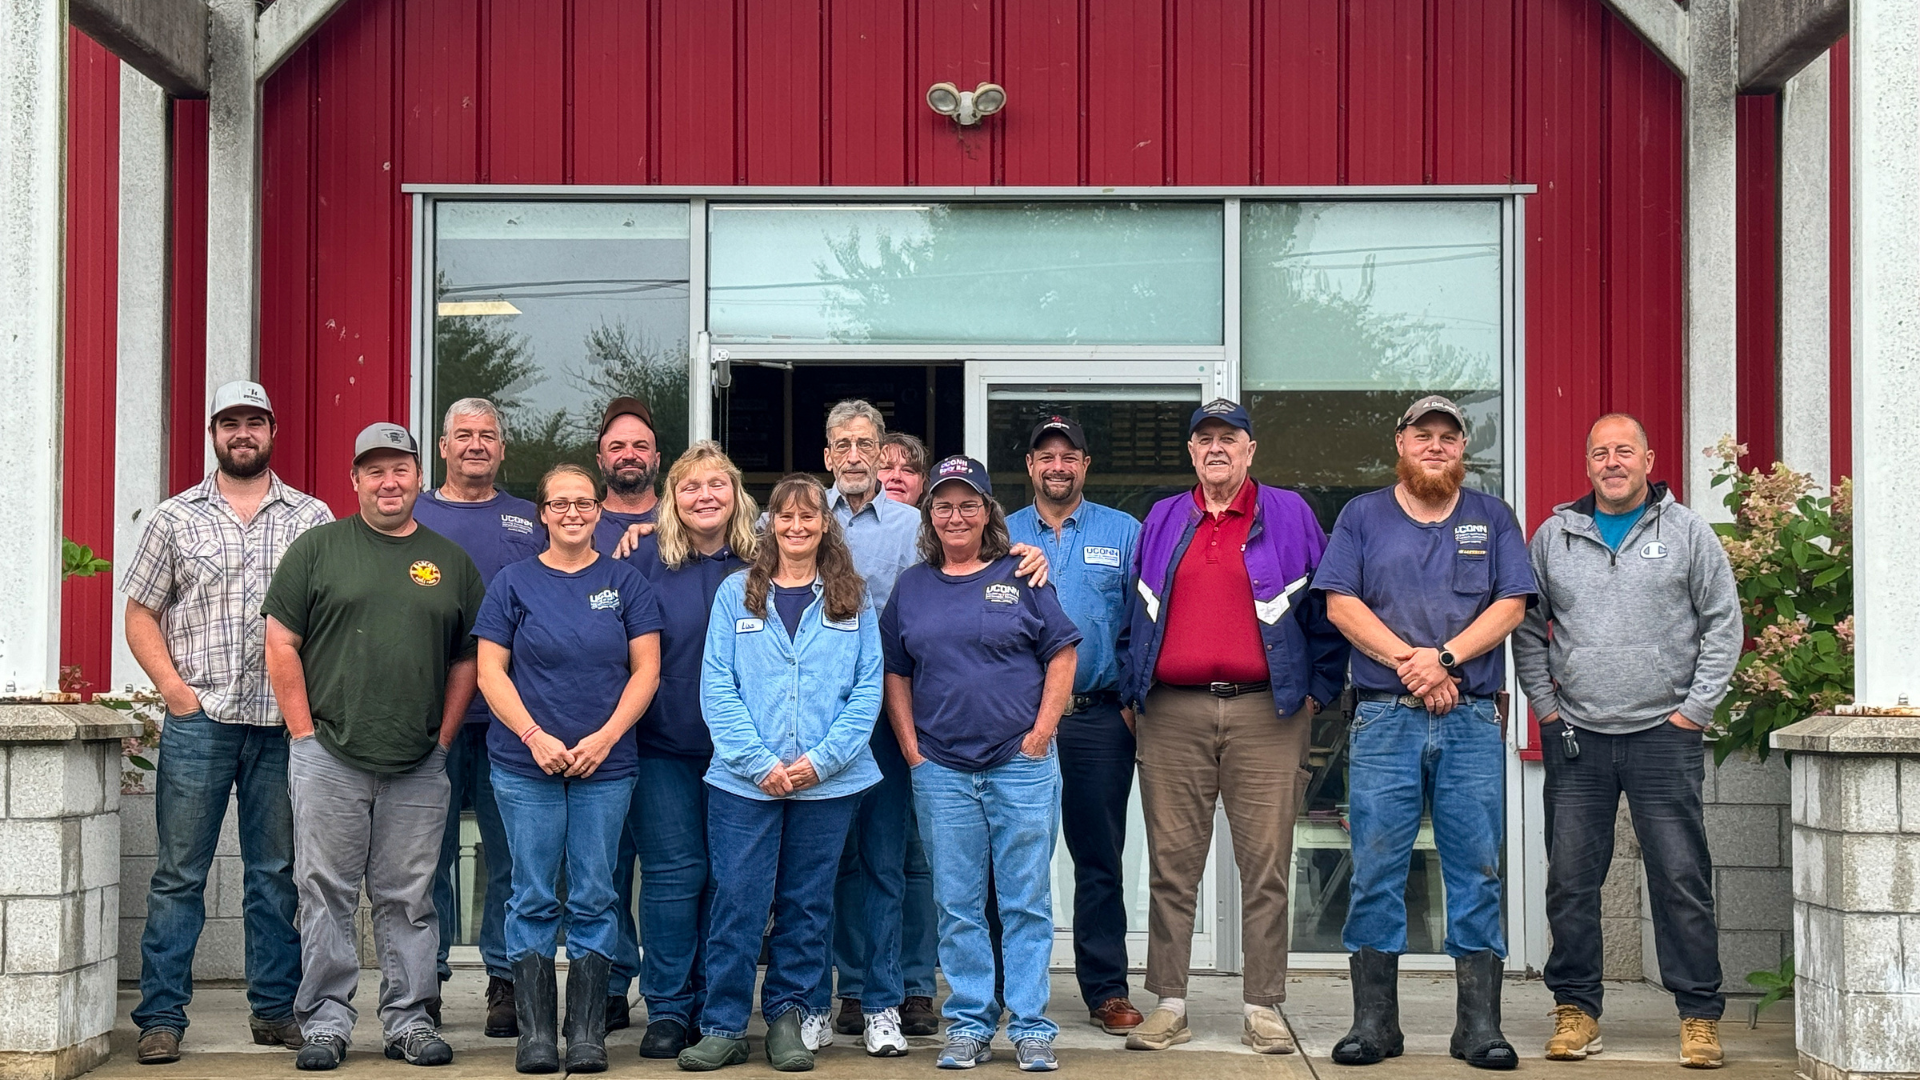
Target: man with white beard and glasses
<point x="1426" y="579"/>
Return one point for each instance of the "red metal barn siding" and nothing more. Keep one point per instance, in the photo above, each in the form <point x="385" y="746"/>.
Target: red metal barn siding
<point x="93" y="238"/>
<point x="187" y="300"/>
<point x="1757" y="269"/>
<point x="1840" y="323"/>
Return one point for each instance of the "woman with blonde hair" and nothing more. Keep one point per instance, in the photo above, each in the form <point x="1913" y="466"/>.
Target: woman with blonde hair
<point x="706" y="532"/>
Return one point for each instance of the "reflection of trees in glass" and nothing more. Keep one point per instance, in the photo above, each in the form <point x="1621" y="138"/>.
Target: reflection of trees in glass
<point x="1302" y="320"/>
<point x="620" y="362"/>
<point x="961" y="259"/>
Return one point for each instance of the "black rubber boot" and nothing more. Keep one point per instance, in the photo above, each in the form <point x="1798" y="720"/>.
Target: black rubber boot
<point x="1375" y="1035"/>
<point x="587" y="1012"/>
<point x="1476" y="1034"/>
<point x="536" y="1008"/>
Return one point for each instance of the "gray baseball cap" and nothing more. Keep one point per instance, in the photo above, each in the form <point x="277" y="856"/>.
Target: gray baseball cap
<point x="237" y="394"/>
<point x="384" y="436"/>
<point x="1432" y="403"/>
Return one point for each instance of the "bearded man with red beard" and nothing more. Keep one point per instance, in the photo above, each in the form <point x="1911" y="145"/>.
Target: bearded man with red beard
<point x="1426" y="579"/>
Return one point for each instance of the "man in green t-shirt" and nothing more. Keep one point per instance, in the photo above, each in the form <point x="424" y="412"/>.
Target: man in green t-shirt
<point x="371" y="655"/>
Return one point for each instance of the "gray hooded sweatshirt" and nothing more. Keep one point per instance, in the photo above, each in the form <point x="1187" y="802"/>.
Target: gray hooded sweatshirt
<point x="1638" y="634"/>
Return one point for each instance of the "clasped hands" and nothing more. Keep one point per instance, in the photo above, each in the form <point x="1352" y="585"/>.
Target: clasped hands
<point x="1420" y="672"/>
<point x="788" y="779"/>
<point x="580" y="761"/>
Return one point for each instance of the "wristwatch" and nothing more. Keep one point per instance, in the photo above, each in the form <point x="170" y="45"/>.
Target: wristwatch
<point x="1449" y="661"/>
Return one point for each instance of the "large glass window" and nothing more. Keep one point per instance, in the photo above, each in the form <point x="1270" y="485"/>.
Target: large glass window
<point x="552" y="309"/>
<point x="1041" y="273"/>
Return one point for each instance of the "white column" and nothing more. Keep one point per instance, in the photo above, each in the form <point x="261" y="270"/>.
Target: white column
<point x="33" y="99"/>
<point x="1806" y="285"/>
<point x="140" y="399"/>
<point x="1886" y="348"/>
<point x="1711" y="405"/>
<point x="233" y="197"/>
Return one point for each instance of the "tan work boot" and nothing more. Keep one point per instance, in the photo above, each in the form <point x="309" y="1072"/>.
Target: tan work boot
<point x="1700" y="1043"/>
<point x="1161" y="1029"/>
<point x="1575" y="1034"/>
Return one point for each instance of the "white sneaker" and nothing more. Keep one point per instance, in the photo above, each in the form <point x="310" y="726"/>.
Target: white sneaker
<point x="816" y="1030"/>
<point x="884" y="1037"/>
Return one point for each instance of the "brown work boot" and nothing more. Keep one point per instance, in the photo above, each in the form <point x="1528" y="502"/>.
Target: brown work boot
<point x="1161" y="1029"/>
<point x="917" y="1017"/>
<point x="503" y="1022"/>
<point x="1575" y="1034"/>
<point x="850" y="1021"/>
<point x="1116" y="1016"/>
<point x="1700" y="1043"/>
<point x="159" y="1047"/>
<point x="276" y="1032"/>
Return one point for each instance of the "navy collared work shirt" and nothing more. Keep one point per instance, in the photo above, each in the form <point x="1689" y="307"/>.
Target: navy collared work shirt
<point x="1088" y="565"/>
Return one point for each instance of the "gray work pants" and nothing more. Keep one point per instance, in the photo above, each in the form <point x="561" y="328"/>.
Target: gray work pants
<point x="350" y="826"/>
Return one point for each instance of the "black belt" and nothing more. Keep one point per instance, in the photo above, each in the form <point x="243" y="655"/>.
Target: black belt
<point x="1080" y="703"/>
<point x="1410" y="701"/>
<point x="1227" y="689"/>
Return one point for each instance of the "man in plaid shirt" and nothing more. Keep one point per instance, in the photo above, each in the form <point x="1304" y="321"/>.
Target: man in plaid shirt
<point x="194" y="594"/>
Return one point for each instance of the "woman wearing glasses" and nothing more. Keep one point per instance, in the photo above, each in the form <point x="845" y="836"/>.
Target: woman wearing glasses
<point x="569" y="659"/>
<point x="791" y="689"/>
<point x="980" y="667"/>
<point x="706" y="532"/>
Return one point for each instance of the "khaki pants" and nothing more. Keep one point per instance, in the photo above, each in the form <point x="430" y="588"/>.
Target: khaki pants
<point x="1194" y="749"/>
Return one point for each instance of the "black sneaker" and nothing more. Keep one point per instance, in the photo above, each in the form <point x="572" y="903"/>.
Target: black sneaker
<point x="665" y="1038"/>
<point x="917" y="1017"/>
<point x="322" y="1052"/>
<point x="420" y="1046"/>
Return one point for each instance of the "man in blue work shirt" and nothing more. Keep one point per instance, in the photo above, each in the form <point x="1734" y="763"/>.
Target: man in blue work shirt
<point x="1089" y="547"/>
<point x="494" y="528"/>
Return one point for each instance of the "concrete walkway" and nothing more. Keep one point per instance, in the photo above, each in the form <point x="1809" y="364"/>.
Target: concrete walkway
<point x="1640" y="1031"/>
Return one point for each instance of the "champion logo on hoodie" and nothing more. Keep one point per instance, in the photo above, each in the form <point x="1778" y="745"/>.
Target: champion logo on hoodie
<point x="1654" y="550"/>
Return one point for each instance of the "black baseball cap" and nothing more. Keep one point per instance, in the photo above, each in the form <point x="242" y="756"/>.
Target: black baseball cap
<point x="1230" y="412"/>
<point x="1058" y="425"/>
<point x="964" y="469"/>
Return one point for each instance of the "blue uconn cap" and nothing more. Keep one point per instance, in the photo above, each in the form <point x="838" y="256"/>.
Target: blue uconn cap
<point x="1229" y="412"/>
<point x="964" y="469"/>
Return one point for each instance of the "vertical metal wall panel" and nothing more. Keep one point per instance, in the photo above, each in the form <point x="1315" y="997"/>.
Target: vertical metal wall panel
<point x="1297" y="92"/>
<point x="698" y="80"/>
<point x="92" y="321"/>
<point x="1126" y="92"/>
<point x="1840" y="326"/>
<point x="781" y="103"/>
<point x="187" y="314"/>
<point x="1641" y="324"/>
<point x="524" y="86"/>
<point x="1757" y="267"/>
<point x="289" y="207"/>
<point x="1473" y="92"/>
<point x="1040" y="130"/>
<point x="612" y="91"/>
<point x="953" y="41"/>
<point x="1213" y="47"/>
<point x="1386" y="92"/>
<point x="869" y="101"/>
<point x="440" y="91"/>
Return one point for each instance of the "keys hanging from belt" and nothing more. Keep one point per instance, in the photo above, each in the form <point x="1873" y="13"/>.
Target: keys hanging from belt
<point x="1568" y="745"/>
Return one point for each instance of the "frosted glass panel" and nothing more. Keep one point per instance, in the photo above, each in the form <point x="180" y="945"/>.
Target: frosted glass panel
<point x="1041" y="273"/>
<point x="1370" y="296"/>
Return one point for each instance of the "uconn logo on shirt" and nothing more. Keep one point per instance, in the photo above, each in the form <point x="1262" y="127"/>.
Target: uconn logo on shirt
<point x="605" y="600"/>
<point x="517" y="524"/>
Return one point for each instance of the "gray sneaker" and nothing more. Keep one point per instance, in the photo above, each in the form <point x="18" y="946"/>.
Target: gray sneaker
<point x="1036" y="1054"/>
<point x="964" y="1052"/>
<point x="420" y="1046"/>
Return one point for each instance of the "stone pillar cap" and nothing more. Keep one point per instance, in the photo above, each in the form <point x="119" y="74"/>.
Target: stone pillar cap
<point x="33" y="722"/>
<point x="1878" y="734"/>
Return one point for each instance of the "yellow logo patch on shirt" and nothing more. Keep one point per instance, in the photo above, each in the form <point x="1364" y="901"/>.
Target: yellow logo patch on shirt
<point x="424" y="573"/>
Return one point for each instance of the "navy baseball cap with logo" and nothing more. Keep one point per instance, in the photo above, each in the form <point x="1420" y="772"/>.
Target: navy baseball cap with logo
<point x="383" y="436"/>
<point x="964" y="469"/>
<point x="1065" y="426"/>
<point x="1229" y="412"/>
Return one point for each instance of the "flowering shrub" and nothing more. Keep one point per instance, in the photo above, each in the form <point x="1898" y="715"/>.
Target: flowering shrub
<point x="1792" y="556"/>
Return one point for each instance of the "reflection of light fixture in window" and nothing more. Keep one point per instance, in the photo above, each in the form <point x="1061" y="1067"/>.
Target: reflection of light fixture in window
<point x="450" y="308"/>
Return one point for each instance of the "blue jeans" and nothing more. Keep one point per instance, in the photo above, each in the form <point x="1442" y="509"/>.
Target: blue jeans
<point x="1401" y="760"/>
<point x="470" y="773"/>
<point x="1096" y="780"/>
<point x="201" y="761"/>
<point x="667" y="831"/>
<point x="553" y="823"/>
<point x="777" y="855"/>
<point x="1004" y="819"/>
<point x="870" y="898"/>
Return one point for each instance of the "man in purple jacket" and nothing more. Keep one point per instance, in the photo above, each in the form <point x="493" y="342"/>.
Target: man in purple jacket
<point x="1230" y="657"/>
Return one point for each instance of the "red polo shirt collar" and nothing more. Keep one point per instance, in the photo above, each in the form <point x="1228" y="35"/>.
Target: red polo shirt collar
<point x="1242" y="503"/>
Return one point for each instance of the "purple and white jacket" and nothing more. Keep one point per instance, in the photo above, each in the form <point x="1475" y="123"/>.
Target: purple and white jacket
<point x="1306" y="656"/>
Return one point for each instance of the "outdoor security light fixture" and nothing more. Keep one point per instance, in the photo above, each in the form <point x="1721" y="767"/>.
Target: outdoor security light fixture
<point x="967" y="107"/>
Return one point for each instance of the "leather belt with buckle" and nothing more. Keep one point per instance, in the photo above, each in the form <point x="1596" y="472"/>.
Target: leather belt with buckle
<point x="1405" y="701"/>
<point x="1080" y="703"/>
<point x="1232" y="689"/>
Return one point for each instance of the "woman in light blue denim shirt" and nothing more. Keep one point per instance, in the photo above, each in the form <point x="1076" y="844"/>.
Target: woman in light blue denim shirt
<point x="790" y="687"/>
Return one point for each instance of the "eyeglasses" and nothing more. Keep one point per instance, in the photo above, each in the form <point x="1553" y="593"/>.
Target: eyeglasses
<point x="561" y="506"/>
<point x="968" y="510"/>
<point x="846" y="446"/>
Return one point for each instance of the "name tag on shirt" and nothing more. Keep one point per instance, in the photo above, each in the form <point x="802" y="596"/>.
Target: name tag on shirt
<point x="749" y="626"/>
<point x="843" y="624"/>
<point x="1100" y="556"/>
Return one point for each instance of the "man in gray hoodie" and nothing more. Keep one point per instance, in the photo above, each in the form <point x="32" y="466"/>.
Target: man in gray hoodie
<point x="1645" y="628"/>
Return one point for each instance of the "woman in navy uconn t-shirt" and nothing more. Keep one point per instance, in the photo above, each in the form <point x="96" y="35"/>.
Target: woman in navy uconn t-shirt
<point x="980" y="665"/>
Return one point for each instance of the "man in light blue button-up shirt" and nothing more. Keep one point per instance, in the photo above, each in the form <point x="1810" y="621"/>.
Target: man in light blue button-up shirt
<point x="1090" y="551"/>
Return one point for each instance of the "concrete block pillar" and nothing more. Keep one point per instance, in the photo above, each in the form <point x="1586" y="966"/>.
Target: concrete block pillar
<point x="59" y="886"/>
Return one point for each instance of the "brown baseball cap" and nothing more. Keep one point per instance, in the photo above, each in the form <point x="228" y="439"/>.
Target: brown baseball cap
<point x="625" y="406"/>
<point x="1432" y="403"/>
